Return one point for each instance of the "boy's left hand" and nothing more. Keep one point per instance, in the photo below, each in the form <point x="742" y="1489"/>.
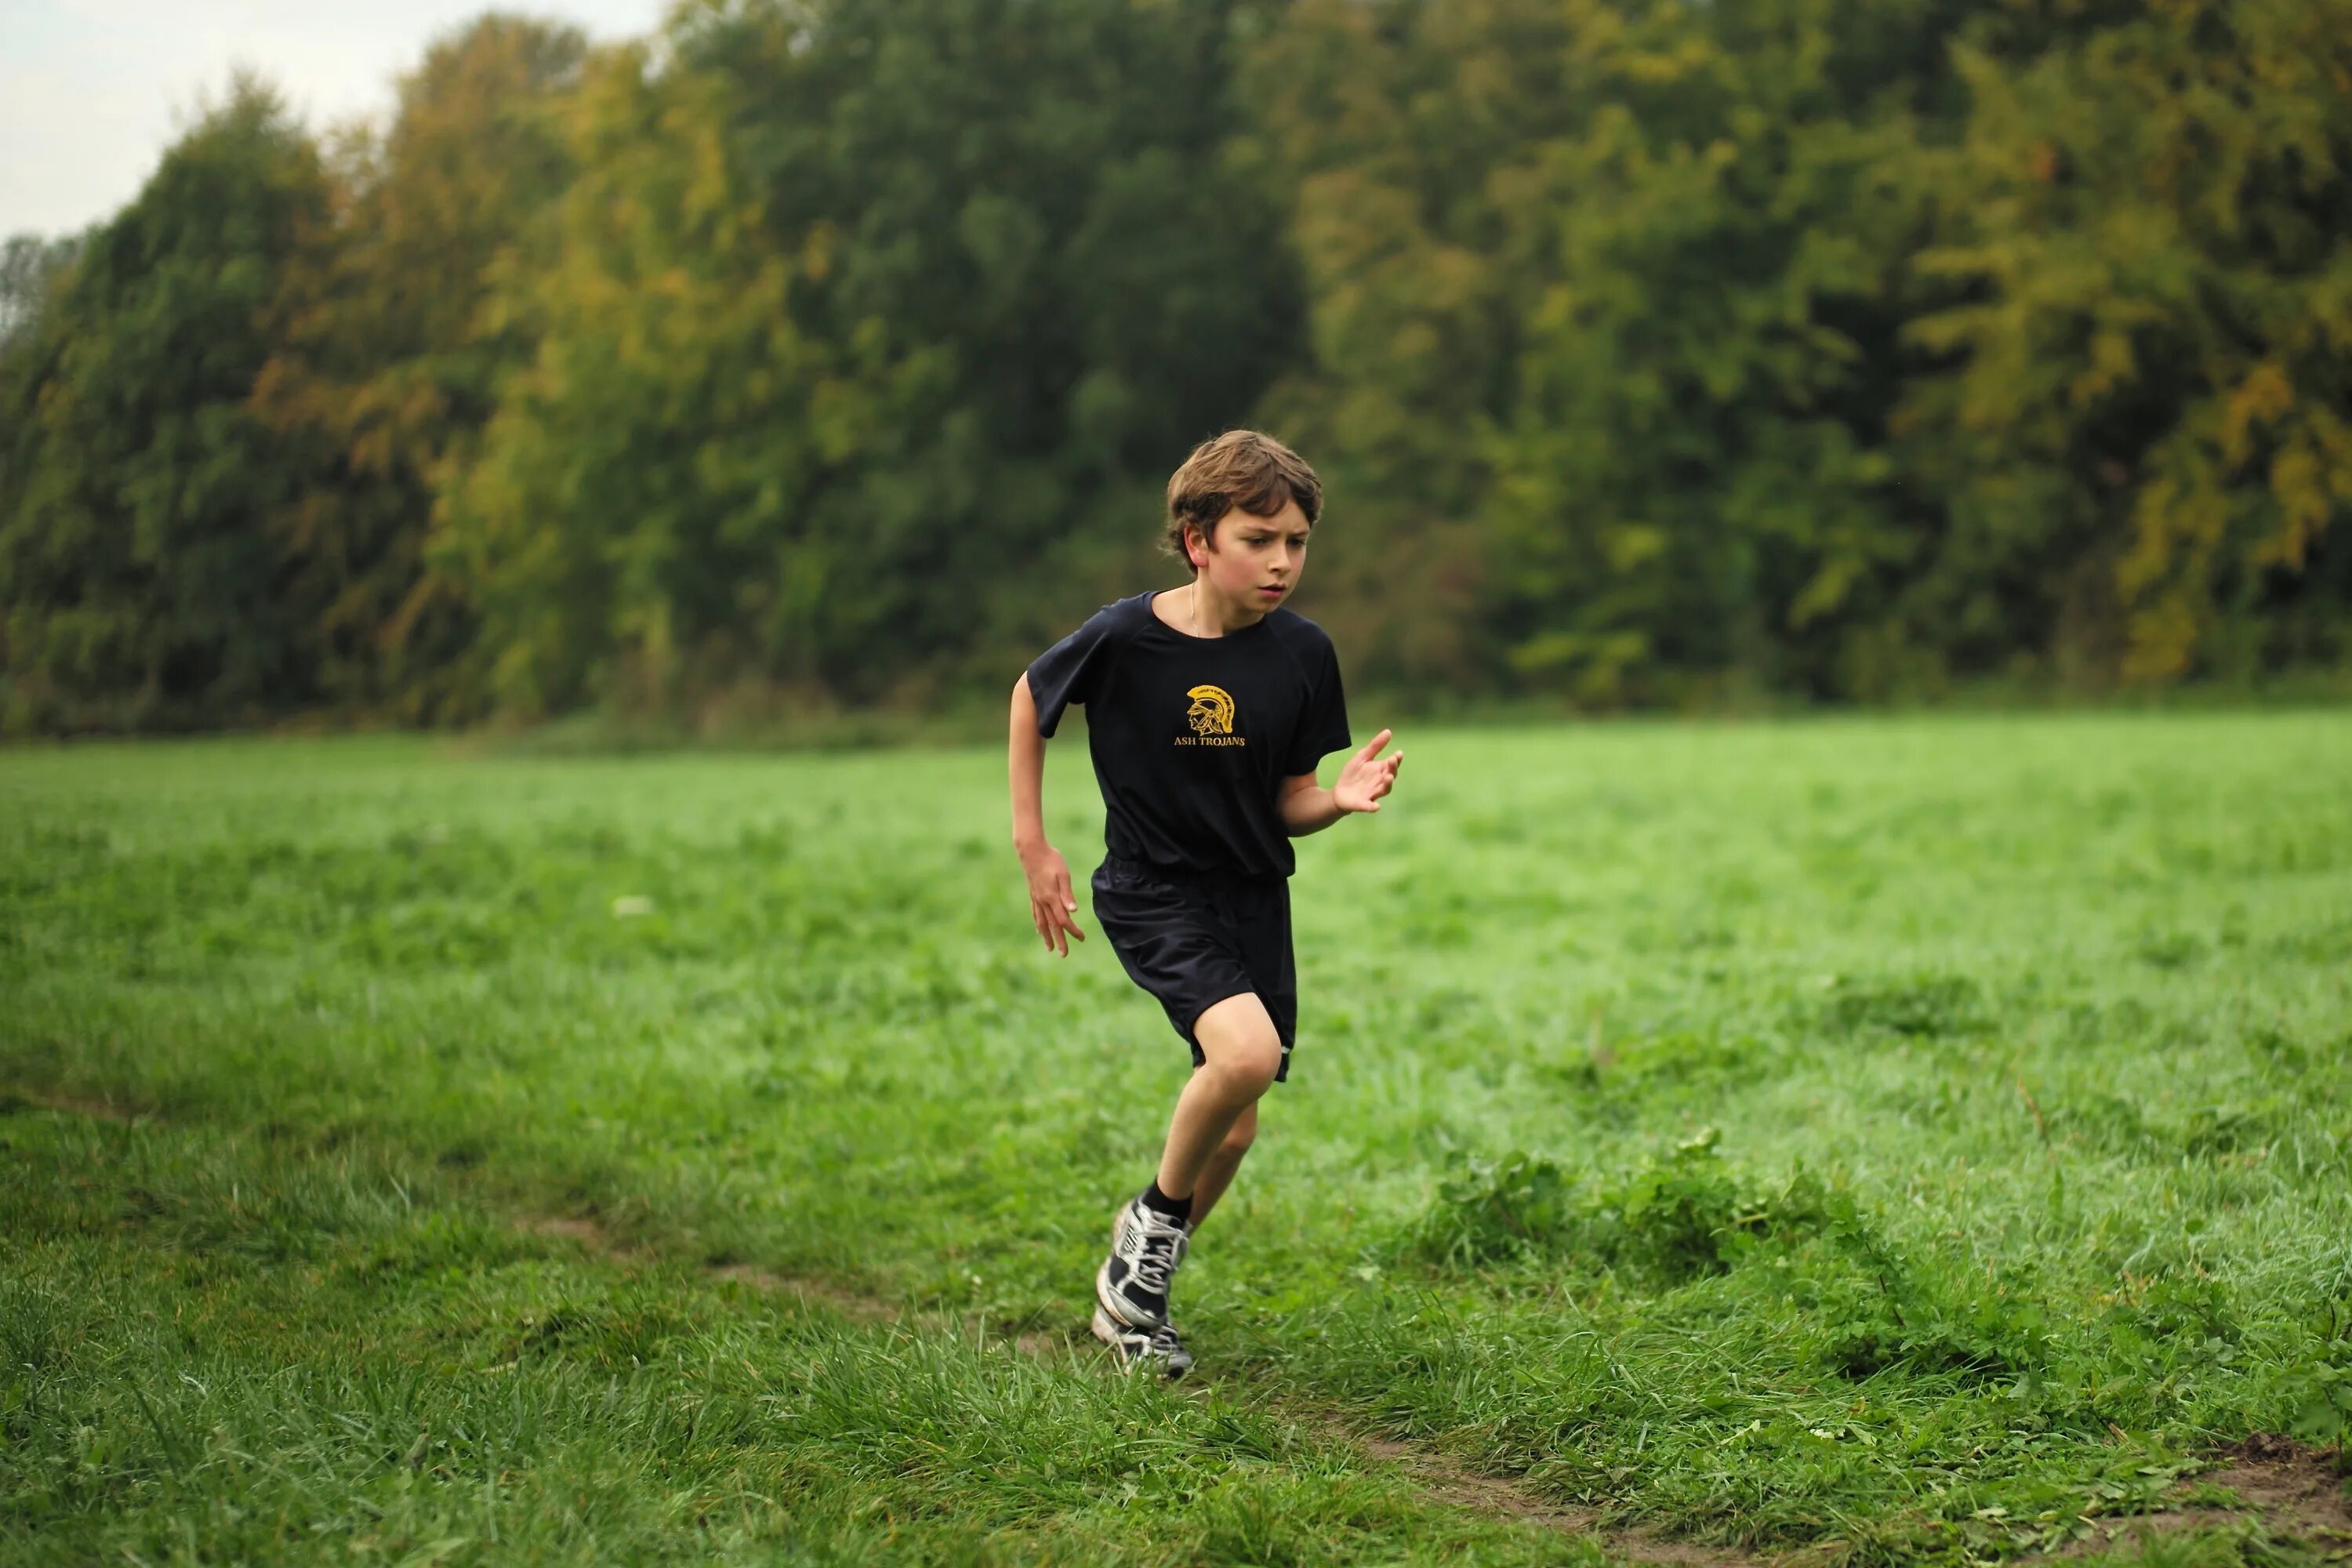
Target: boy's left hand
<point x="1366" y="776"/>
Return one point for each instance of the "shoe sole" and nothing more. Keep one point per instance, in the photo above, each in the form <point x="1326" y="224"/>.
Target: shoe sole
<point x="1107" y="1329"/>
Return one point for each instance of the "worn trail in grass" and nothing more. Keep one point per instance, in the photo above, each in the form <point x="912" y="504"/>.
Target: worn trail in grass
<point x="1900" y="1141"/>
<point x="228" y="1350"/>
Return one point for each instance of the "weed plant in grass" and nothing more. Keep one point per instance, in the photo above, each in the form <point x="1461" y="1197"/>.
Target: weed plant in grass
<point x="1927" y="1137"/>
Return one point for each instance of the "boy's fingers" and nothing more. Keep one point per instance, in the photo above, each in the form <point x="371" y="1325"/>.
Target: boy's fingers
<point x="1052" y="919"/>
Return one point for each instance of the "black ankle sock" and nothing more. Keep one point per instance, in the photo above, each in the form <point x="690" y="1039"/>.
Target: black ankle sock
<point x="1161" y="1203"/>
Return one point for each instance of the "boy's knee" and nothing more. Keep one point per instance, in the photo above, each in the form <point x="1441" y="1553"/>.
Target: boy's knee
<point x="1239" y="1041"/>
<point x="1247" y="1066"/>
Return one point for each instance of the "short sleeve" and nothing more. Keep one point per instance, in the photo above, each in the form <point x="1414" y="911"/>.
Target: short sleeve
<point x="1323" y="726"/>
<point x="1072" y="671"/>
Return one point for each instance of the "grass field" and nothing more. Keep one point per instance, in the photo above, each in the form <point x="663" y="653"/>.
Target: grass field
<point x="1873" y="1141"/>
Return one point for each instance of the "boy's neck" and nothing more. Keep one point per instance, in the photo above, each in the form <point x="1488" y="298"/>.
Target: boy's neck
<point x="1205" y="613"/>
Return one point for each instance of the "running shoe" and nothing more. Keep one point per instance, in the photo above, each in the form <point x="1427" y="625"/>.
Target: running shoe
<point x="1158" y="1350"/>
<point x="1145" y="1246"/>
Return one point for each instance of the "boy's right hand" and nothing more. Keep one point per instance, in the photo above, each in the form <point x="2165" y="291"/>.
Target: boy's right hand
<point x="1051" y="904"/>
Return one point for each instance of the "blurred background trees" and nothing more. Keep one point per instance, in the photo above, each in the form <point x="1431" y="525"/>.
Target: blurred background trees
<point x="865" y="332"/>
<point x="827" y="354"/>
<point x="143" y="581"/>
<point x="391" y="348"/>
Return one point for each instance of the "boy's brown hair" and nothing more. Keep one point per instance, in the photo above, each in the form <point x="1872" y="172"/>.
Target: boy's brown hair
<point x="1239" y="468"/>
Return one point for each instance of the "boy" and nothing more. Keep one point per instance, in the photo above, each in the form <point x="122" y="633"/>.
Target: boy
<point x="1208" y="708"/>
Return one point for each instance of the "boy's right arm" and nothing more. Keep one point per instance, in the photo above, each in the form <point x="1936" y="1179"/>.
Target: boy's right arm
<point x="1051" y="904"/>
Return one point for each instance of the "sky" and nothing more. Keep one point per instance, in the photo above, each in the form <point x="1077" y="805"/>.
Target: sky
<point x="91" y="91"/>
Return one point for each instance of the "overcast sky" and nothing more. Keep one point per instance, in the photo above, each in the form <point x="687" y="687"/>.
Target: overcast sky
<point x="91" y="91"/>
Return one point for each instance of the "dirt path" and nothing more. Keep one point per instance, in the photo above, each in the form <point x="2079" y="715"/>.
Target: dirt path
<point x="2291" y="1489"/>
<point x="1447" y="1481"/>
<point x="1443" y="1478"/>
<point x="95" y="1110"/>
<point x="2294" y="1487"/>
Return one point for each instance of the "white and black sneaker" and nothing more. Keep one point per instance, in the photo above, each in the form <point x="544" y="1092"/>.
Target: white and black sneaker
<point x="1158" y="1350"/>
<point x="1145" y="1246"/>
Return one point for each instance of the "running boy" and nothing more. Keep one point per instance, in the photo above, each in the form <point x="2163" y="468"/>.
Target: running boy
<point x="1208" y="708"/>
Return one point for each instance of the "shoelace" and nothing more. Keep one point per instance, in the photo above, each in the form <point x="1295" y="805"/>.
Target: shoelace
<point x="1161" y="1250"/>
<point x="1165" y="1342"/>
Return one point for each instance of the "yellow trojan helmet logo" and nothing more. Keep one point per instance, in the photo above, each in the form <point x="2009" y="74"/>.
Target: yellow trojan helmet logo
<point x="1212" y="712"/>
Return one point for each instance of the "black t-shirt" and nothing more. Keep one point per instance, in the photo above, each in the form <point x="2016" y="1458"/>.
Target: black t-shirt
<point x="1192" y="737"/>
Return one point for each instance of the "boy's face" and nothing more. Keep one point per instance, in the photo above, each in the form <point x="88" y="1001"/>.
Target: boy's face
<point x="1252" y="560"/>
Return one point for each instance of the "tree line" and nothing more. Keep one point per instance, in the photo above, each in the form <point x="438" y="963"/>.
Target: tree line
<point x="819" y="354"/>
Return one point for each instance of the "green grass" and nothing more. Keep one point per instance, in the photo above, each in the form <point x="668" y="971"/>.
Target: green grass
<point x="1898" y="1139"/>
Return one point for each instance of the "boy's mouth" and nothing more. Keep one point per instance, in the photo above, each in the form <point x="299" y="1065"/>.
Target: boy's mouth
<point x="1273" y="590"/>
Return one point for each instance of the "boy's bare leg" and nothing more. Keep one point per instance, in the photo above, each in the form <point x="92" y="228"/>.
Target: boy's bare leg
<point x="1219" y="1175"/>
<point x="1242" y="1054"/>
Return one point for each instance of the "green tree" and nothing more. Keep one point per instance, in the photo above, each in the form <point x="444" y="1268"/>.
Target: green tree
<point x="29" y="269"/>
<point x="1833" y="346"/>
<point x="139" y="582"/>
<point x="871" y="328"/>
<point x="819" y="352"/>
<point x="1698" y="482"/>
<point x="390" y="346"/>
<point x="1405" y="138"/>
<point x="2146" y="448"/>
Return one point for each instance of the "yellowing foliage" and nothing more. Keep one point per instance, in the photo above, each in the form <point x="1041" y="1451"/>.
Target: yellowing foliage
<point x="816" y="353"/>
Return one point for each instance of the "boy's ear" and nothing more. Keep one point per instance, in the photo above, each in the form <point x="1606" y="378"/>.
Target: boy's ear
<point x="1196" y="546"/>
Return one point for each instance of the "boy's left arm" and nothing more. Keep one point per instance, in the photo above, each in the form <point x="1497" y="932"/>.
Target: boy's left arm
<point x="1307" y="807"/>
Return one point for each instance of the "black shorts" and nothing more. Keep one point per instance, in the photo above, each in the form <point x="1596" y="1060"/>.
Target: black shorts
<point x="1193" y="940"/>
